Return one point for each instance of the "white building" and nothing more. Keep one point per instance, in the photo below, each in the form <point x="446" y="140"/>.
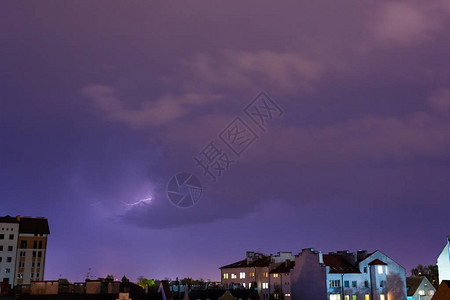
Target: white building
<point x="419" y="288"/>
<point x="443" y="263"/>
<point x="9" y="232"/>
<point x="313" y="275"/>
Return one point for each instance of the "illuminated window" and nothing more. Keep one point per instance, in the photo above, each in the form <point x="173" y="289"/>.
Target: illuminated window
<point x="275" y="275"/>
<point x="335" y="297"/>
<point x="431" y="292"/>
<point x="225" y="275"/>
<point x="265" y="285"/>
<point x="380" y="269"/>
<point x="265" y="274"/>
<point x="242" y="275"/>
<point x="354" y="297"/>
<point x="382" y="297"/>
<point x="287" y="295"/>
<point x="233" y="275"/>
<point x="422" y="293"/>
<point x="335" y="283"/>
<point x="367" y="297"/>
<point x="251" y="274"/>
<point x="347" y="297"/>
<point x="243" y="284"/>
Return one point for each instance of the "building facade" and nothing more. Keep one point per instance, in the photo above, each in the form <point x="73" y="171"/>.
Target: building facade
<point x="443" y="262"/>
<point x="313" y="275"/>
<point x="419" y="288"/>
<point x="23" y="241"/>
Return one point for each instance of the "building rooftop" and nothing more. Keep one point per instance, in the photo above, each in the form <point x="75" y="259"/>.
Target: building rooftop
<point x="338" y="264"/>
<point x="28" y="224"/>
<point x="412" y="284"/>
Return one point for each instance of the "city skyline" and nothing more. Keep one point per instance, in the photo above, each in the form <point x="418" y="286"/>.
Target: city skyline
<point x="102" y="103"/>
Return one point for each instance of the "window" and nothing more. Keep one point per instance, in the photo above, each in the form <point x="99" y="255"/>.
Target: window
<point x="11" y="236"/>
<point x="275" y="275"/>
<point x="354" y="297"/>
<point x="38" y="264"/>
<point x="366" y="283"/>
<point x="346" y="284"/>
<point x="225" y="275"/>
<point x="32" y="264"/>
<point x="431" y="292"/>
<point x="9" y="259"/>
<point x="422" y="293"/>
<point x="21" y="264"/>
<point x="335" y="283"/>
<point x="242" y="275"/>
<point x="37" y="275"/>
<point x="10" y="248"/>
<point x="265" y="274"/>
<point x="34" y="244"/>
<point x="354" y="284"/>
<point x="22" y="253"/>
<point x="287" y="295"/>
<point x="380" y="269"/>
<point x="347" y="297"/>
<point x="381" y="283"/>
<point x="34" y="253"/>
<point x="233" y="275"/>
<point x="39" y="254"/>
<point x="40" y="244"/>
<point x="335" y="297"/>
<point x="20" y="275"/>
<point x="365" y="269"/>
<point x="1" y="248"/>
<point x="32" y="275"/>
<point x="23" y="244"/>
<point x="367" y="297"/>
<point x="2" y="236"/>
<point x="265" y="285"/>
<point x="7" y="270"/>
<point x="243" y="284"/>
<point x="382" y="297"/>
<point x="251" y="274"/>
<point x="1" y="259"/>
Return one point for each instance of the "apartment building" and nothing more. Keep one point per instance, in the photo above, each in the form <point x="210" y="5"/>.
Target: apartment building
<point x="313" y="275"/>
<point x="24" y="247"/>
<point x="443" y="262"/>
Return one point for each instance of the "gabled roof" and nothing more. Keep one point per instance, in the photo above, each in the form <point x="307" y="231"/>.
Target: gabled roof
<point x="259" y="262"/>
<point x="338" y="264"/>
<point x="283" y="268"/>
<point x="8" y="219"/>
<point x="377" y="262"/>
<point x="412" y="284"/>
<point x="443" y="291"/>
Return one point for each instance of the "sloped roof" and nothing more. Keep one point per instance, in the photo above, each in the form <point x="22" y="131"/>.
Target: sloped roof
<point x="259" y="262"/>
<point x="283" y="268"/>
<point x="377" y="262"/>
<point x="443" y="291"/>
<point x="338" y="264"/>
<point x="412" y="284"/>
<point x="34" y="225"/>
<point x="8" y="219"/>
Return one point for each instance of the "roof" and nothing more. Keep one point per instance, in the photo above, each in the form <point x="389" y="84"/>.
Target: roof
<point x="283" y="267"/>
<point x="377" y="262"/>
<point x="34" y="225"/>
<point x="443" y="291"/>
<point x="338" y="264"/>
<point x="259" y="262"/>
<point x="8" y="219"/>
<point x="412" y="284"/>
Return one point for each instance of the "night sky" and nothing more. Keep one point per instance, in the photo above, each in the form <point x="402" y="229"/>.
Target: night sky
<point x="102" y="102"/>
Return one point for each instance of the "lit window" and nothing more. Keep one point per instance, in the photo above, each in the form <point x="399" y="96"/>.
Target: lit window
<point x="335" y="297"/>
<point x="347" y="297"/>
<point x="380" y="269"/>
<point x="431" y="292"/>
<point x="335" y="283"/>
<point x="354" y="297"/>
<point x="225" y="275"/>
<point x="265" y="285"/>
<point x="367" y="297"/>
<point x="287" y="295"/>
<point x="275" y="275"/>
<point x="233" y="275"/>
<point x="265" y="274"/>
<point x="251" y="274"/>
<point x="242" y="275"/>
<point x="422" y="293"/>
<point x="243" y="284"/>
<point x="382" y="297"/>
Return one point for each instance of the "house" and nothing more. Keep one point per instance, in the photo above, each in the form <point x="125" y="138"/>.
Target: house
<point x="443" y="291"/>
<point x="443" y="262"/>
<point x="312" y="275"/>
<point x="419" y="288"/>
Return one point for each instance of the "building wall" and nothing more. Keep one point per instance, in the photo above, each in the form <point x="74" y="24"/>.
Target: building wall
<point x="259" y="278"/>
<point x="360" y="291"/>
<point x="308" y="277"/>
<point x="7" y="269"/>
<point x="30" y="264"/>
<point x="44" y="288"/>
<point x="443" y="263"/>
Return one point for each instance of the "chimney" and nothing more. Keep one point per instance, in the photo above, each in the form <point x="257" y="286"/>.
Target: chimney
<point x="361" y="254"/>
<point x="18" y="218"/>
<point x="320" y="257"/>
